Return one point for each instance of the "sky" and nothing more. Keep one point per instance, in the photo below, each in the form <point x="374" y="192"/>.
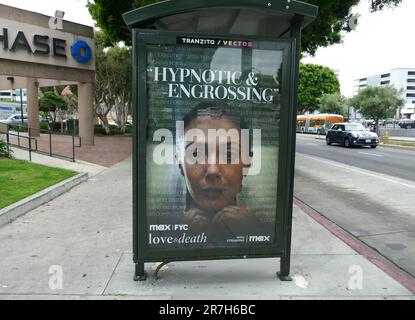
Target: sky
<point x="75" y="10"/>
<point x="381" y="42"/>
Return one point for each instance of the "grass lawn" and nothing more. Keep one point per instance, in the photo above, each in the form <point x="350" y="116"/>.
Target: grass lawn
<point x="20" y="179"/>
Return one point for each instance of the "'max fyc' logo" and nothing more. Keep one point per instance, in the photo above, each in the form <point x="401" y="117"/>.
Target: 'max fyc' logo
<point x="44" y="45"/>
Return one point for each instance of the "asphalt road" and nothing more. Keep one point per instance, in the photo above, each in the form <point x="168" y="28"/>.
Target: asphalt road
<point x="368" y="192"/>
<point x="393" y="162"/>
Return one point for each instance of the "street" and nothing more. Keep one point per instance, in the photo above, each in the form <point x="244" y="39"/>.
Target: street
<point x="393" y="162"/>
<point x="367" y="192"/>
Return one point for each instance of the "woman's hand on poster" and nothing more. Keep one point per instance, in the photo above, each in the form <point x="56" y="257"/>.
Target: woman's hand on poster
<point x="234" y="214"/>
<point x="196" y="217"/>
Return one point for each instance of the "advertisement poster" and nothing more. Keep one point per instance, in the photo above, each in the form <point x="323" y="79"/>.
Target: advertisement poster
<point x="212" y="143"/>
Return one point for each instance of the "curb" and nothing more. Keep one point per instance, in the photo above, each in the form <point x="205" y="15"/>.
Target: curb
<point x="20" y="208"/>
<point x="394" y="146"/>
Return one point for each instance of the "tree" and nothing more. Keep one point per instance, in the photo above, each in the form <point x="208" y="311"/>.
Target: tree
<point x="329" y="26"/>
<point x="378" y="102"/>
<point x="113" y="82"/>
<point x="103" y="101"/>
<point x="71" y="112"/>
<point x="315" y="81"/>
<point x="51" y="104"/>
<point x="333" y="103"/>
<point x="70" y="99"/>
<point x="121" y="60"/>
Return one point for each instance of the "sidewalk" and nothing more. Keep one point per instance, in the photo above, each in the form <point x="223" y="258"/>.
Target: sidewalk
<point x="87" y="232"/>
<point x="78" y="166"/>
<point x="411" y="139"/>
<point x="106" y="151"/>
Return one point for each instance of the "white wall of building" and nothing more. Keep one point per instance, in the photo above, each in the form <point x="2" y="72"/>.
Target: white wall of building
<point x="402" y="79"/>
<point x="13" y="95"/>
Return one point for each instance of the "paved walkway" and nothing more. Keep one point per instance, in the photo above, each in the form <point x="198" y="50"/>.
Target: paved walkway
<point x="106" y="151"/>
<point x="87" y="233"/>
<point x="78" y="166"/>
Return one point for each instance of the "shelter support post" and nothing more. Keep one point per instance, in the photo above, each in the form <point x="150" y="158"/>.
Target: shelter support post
<point x="140" y="273"/>
<point x="285" y="261"/>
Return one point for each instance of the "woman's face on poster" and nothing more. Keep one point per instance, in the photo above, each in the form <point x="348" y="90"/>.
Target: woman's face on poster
<point x="213" y="170"/>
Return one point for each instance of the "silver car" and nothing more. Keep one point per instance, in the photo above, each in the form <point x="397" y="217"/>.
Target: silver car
<point x="15" y="119"/>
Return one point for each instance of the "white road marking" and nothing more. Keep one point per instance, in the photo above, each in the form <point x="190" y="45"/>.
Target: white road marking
<point x="372" y="154"/>
<point x="360" y="171"/>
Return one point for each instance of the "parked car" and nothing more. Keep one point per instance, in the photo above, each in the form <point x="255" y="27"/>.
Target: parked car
<point x="407" y="124"/>
<point x="367" y="123"/>
<point x="389" y="121"/>
<point x="15" y="119"/>
<point x="351" y="134"/>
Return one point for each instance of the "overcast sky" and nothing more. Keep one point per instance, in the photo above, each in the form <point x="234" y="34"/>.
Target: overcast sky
<point x="382" y="41"/>
<point x="75" y="10"/>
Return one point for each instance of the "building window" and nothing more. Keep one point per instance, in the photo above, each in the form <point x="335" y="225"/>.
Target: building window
<point x="385" y="82"/>
<point x="362" y="86"/>
<point x="410" y="88"/>
<point x="386" y="75"/>
<point x="411" y="73"/>
<point x="411" y="80"/>
<point x="362" y="80"/>
<point x="410" y="95"/>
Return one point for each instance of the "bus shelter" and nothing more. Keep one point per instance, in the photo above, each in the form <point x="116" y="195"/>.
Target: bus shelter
<point x="214" y="106"/>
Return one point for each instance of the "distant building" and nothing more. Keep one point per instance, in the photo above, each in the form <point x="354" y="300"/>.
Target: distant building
<point x="401" y="78"/>
<point x="13" y="95"/>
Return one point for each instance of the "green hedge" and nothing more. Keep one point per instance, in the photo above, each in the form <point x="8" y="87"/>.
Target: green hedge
<point x="43" y="126"/>
<point x="5" y="152"/>
<point x="114" y="130"/>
